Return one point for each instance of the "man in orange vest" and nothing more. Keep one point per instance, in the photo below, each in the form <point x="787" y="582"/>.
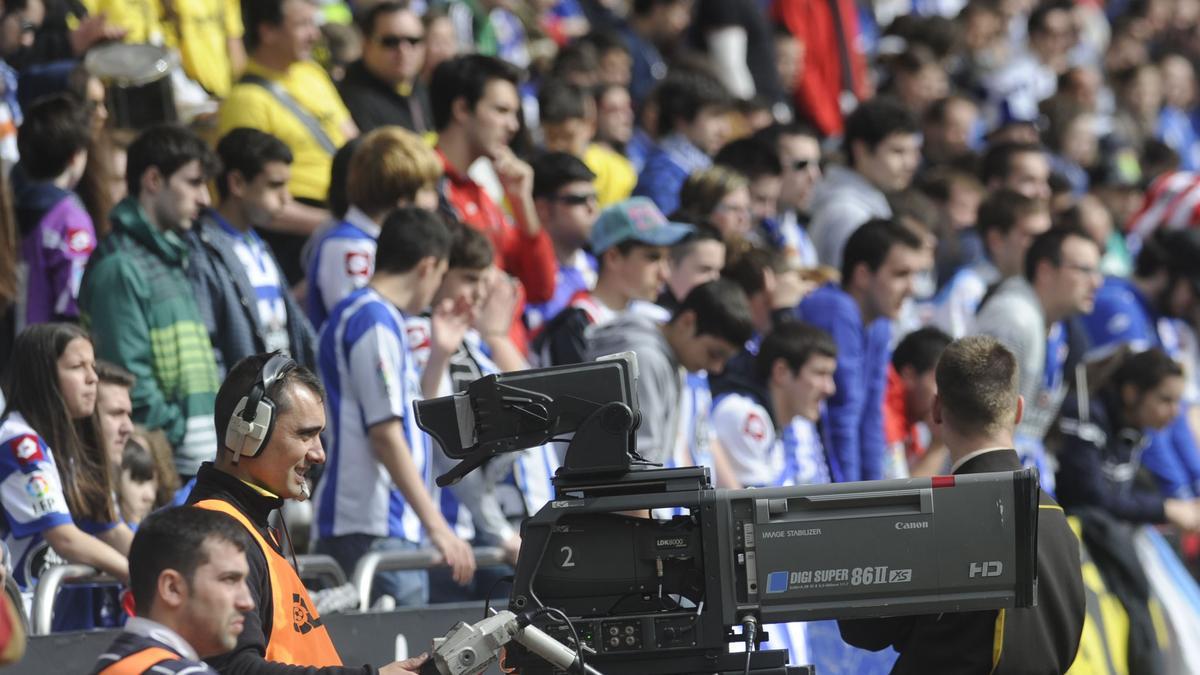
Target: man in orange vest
<point x="270" y="412"/>
<point x="187" y="571"/>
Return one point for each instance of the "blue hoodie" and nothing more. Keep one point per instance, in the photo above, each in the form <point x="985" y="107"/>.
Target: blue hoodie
<point x="853" y="418"/>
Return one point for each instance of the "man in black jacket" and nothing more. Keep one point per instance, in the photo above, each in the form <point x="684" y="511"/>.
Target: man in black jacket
<point x="241" y="290"/>
<point x="383" y="86"/>
<point x="261" y="463"/>
<point x="978" y="407"/>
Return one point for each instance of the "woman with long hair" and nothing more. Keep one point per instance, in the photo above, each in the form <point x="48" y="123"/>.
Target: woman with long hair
<point x="1108" y="439"/>
<point x="55" y="489"/>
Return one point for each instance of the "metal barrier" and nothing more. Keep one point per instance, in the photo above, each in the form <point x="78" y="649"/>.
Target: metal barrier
<point x="395" y="561"/>
<point x="49" y="583"/>
<point x="315" y="566"/>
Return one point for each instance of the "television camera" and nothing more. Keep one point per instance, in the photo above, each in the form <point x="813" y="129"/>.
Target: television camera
<point x="630" y="593"/>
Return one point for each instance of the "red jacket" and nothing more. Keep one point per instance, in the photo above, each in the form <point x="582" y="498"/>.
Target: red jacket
<point x="819" y="82"/>
<point x="897" y="427"/>
<point x="529" y="259"/>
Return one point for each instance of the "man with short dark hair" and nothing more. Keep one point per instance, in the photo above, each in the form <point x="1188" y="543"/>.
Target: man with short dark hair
<point x="977" y="408"/>
<point x="261" y="462"/>
<point x="692" y="126"/>
<point x="383" y="87"/>
<point x="136" y="299"/>
<point x="1031" y="74"/>
<point x="696" y="259"/>
<point x="288" y="95"/>
<point x="799" y="149"/>
<point x="1027" y="313"/>
<point x="711" y="324"/>
<point x="187" y="575"/>
<point x="654" y="27"/>
<point x="948" y="129"/>
<point x="565" y="195"/>
<point x="114" y="411"/>
<point x="569" y="123"/>
<point x="374" y="494"/>
<point x="880" y="261"/>
<point x="908" y="401"/>
<point x="475" y="107"/>
<point x="240" y="288"/>
<point x="1007" y="223"/>
<point x="630" y="241"/>
<point x="1020" y="167"/>
<point x="765" y="420"/>
<point x="883" y="149"/>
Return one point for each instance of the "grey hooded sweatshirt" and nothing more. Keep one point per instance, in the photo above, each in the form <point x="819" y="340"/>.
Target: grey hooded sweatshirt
<point x="660" y="378"/>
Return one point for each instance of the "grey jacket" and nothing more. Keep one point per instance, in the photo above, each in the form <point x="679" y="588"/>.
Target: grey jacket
<point x="227" y="301"/>
<point x="660" y="379"/>
<point x="842" y="202"/>
<point x="1013" y="315"/>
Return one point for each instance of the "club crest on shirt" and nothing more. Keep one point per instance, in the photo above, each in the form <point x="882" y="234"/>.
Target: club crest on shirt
<point x="755" y="427"/>
<point x="27" y="450"/>
<point x="79" y="240"/>
<point x="358" y="264"/>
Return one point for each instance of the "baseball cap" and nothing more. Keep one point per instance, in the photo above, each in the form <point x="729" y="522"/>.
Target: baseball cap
<point x="635" y="219"/>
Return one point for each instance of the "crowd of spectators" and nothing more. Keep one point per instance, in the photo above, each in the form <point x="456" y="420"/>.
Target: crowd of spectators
<point x="786" y="208"/>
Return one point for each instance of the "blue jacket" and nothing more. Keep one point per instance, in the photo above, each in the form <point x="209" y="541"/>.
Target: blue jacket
<point x="853" y="418"/>
<point x="1122" y="315"/>
<point x="667" y="167"/>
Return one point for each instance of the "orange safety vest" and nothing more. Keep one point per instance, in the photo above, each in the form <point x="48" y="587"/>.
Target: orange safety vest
<point x="298" y="636"/>
<point x="140" y="661"/>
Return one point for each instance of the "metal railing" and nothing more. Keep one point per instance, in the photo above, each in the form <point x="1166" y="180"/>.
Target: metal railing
<point x="396" y="561"/>
<point x="48" y="586"/>
<point x="53" y="578"/>
<point x="316" y="566"/>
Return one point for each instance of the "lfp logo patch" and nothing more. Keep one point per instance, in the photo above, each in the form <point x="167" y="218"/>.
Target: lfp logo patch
<point x="777" y="582"/>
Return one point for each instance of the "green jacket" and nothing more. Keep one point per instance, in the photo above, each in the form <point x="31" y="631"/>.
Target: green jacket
<point x="137" y="302"/>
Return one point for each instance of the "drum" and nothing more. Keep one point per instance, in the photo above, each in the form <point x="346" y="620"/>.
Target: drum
<point x="138" y="80"/>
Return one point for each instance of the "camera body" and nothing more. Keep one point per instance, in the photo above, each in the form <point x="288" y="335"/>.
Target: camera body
<point x="658" y="596"/>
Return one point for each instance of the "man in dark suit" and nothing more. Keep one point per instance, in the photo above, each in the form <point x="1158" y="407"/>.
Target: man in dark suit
<point x="977" y="408"/>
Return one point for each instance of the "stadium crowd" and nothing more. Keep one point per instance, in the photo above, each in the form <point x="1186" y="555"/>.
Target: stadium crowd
<point x="786" y="208"/>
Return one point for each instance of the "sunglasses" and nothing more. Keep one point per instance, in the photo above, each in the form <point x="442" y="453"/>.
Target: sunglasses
<point x="572" y="199"/>
<point x="394" y="41"/>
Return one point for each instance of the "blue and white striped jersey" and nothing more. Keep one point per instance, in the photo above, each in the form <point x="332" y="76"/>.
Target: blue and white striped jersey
<point x="31" y="496"/>
<point x="370" y="376"/>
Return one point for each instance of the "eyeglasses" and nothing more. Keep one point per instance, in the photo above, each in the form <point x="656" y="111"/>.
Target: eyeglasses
<point x="1086" y="270"/>
<point x="393" y="41"/>
<point x="576" y="199"/>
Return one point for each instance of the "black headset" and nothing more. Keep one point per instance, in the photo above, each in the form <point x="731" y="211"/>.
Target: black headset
<point x="253" y="418"/>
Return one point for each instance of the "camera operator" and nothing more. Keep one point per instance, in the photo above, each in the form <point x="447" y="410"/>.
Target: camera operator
<point x="978" y="408"/>
<point x="187" y="573"/>
<point x="264" y="462"/>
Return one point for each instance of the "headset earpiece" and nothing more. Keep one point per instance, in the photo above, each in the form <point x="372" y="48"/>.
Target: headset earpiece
<point x="253" y="418"/>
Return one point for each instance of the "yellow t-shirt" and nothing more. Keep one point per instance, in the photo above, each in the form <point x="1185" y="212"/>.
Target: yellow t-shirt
<point x="201" y="32"/>
<point x="142" y="18"/>
<point x="249" y="105"/>
<point x="615" y="177"/>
